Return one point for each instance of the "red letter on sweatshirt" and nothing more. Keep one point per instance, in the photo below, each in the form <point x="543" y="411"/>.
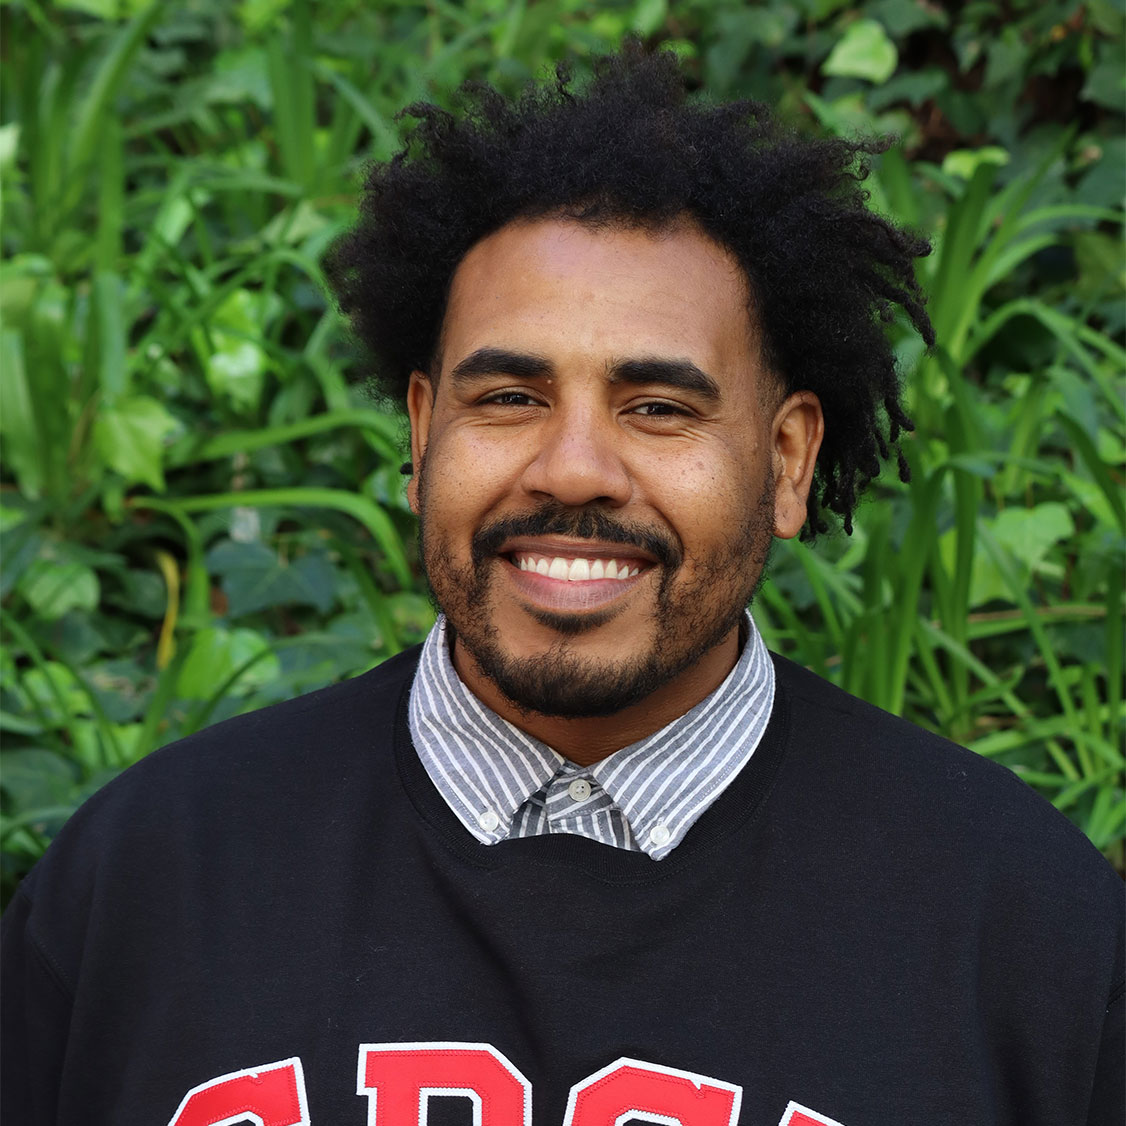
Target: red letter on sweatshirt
<point x="400" y="1079"/>
<point x="632" y="1089"/>
<point x="797" y="1115"/>
<point x="270" y="1095"/>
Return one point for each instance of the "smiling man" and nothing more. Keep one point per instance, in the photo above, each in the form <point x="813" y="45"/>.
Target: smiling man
<point x="590" y="856"/>
<point x="598" y="489"/>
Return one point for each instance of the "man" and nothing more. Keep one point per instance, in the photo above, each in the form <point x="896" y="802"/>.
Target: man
<point x="591" y="856"/>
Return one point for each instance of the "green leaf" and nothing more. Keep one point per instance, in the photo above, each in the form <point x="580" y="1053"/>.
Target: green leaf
<point x="865" y="51"/>
<point x="1028" y="534"/>
<point x="54" y="586"/>
<point x="257" y="15"/>
<point x="1106" y="84"/>
<point x="57" y="692"/>
<point x="234" y="362"/>
<point x="34" y="777"/>
<point x="22" y="450"/>
<point x="649" y="16"/>
<point x="130" y="438"/>
<point x="965" y="162"/>
<point x="216" y="653"/>
<point x="106" y="349"/>
<point x="255" y="578"/>
<point x="9" y="143"/>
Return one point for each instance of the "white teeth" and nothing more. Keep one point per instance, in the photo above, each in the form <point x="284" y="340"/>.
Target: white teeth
<point x="580" y="570"/>
<point x="576" y="570"/>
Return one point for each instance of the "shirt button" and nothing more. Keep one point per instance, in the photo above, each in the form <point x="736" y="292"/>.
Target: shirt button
<point x="579" y="789"/>
<point x="488" y="820"/>
<point x="660" y="835"/>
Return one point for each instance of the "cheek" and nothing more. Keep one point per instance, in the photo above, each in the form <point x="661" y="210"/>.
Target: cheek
<point x="465" y="473"/>
<point x="706" y="497"/>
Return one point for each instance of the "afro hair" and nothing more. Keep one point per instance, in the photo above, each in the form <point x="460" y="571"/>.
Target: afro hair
<point x="824" y="273"/>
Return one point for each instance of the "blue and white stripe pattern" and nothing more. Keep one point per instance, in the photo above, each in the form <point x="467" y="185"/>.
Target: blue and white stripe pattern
<point x="501" y="783"/>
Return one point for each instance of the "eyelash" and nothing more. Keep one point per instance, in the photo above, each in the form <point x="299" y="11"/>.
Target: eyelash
<point x="666" y="409"/>
<point x="657" y="408"/>
<point x="503" y="399"/>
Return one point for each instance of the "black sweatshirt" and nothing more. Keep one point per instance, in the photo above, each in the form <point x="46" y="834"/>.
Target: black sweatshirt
<point x="280" y="916"/>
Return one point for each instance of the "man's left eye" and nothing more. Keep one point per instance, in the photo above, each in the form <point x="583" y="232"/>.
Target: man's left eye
<point x="650" y="409"/>
<point x="510" y="399"/>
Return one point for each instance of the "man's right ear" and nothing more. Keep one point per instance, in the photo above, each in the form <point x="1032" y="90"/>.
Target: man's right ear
<point x="420" y="408"/>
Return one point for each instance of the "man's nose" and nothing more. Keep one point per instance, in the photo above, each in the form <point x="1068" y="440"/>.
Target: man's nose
<point x="580" y="460"/>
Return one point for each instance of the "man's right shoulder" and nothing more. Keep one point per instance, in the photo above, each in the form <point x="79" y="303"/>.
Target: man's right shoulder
<point x="328" y="724"/>
<point x="252" y="767"/>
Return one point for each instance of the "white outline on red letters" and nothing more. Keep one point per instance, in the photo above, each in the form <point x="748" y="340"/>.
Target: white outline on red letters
<point x="646" y="1116"/>
<point x="243" y="1115"/>
<point x="793" y="1108"/>
<point x="425" y="1092"/>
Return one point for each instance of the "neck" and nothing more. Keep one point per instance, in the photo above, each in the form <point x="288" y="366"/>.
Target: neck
<point x="589" y="739"/>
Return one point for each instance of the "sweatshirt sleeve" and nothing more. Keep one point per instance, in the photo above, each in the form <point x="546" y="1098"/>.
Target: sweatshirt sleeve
<point x="34" y="1021"/>
<point x="1108" y="1097"/>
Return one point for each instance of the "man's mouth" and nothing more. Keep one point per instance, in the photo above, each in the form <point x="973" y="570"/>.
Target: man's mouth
<point x="576" y="569"/>
<point x="572" y="576"/>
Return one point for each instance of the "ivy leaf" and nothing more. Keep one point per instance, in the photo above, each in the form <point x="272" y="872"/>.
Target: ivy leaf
<point x="53" y="587"/>
<point x="234" y="361"/>
<point x="1028" y="534"/>
<point x="217" y="653"/>
<point x="965" y="162"/>
<point x="256" y="578"/>
<point x="129" y="436"/>
<point x="865" y="51"/>
<point x="35" y="777"/>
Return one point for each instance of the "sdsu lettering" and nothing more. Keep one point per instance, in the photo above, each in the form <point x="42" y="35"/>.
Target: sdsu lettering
<point x="272" y="1095"/>
<point x="631" y="1089"/>
<point x="399" y="1080"/>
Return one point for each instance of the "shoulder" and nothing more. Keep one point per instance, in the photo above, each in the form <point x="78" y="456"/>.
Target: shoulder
<point x="849" y="737"/>
<point x="322" y="729"/>
<point x="248" y="783"/>
<point x="907" y="802"/>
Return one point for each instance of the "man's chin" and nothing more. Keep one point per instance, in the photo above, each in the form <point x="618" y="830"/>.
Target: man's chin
<point x="574" y="624"/>
<point x="573" y="688"/>
<point x="564" y="681"/>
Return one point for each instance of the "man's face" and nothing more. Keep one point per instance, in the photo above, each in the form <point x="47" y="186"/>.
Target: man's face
<point x="601" y="464"/>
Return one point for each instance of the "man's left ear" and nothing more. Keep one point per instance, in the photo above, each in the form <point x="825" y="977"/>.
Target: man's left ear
<point x="799" y="426"/>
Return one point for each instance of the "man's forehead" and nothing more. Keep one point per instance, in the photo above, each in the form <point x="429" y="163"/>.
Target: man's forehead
<point x="611" y="288"/>
<point x="567" y="243"/>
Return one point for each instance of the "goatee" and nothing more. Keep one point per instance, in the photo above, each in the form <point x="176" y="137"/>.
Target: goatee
<point x="689" y="617"/>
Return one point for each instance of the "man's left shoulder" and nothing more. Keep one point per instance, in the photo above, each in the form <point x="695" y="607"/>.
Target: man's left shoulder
<point x="912" y="790"/>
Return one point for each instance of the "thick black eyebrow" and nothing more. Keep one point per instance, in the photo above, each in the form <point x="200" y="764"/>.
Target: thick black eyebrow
<point x="499" y="361"/>
<point x="681" y="374"/>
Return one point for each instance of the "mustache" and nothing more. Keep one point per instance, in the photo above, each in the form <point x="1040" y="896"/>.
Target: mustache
<point x="554" y="519"/>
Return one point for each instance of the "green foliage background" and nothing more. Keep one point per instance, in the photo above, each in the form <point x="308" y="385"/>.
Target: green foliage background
<point x="201" y="515"/>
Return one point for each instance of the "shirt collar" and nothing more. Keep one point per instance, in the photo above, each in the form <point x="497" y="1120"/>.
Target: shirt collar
<point x="486" y="768"/>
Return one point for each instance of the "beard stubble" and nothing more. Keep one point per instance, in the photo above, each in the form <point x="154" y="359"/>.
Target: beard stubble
<point x="689" y="618"/>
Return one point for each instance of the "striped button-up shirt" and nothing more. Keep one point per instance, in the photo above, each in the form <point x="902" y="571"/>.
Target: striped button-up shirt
<point x="501" y="783"/>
